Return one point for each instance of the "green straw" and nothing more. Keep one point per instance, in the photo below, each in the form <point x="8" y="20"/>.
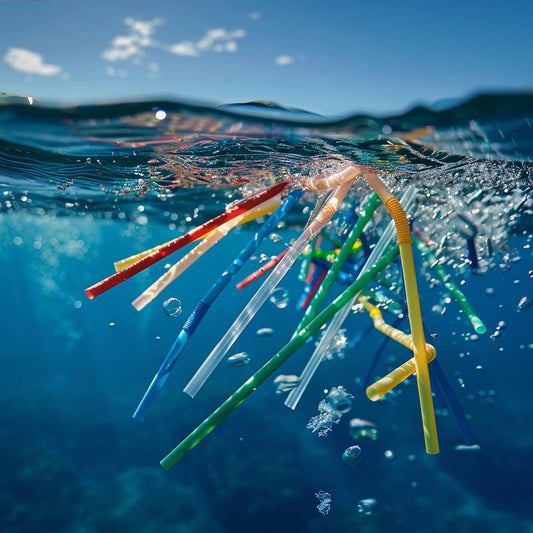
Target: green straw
<point x="476" y="322"/>
<point x="212" y="421"/>
<point x="311" y="312"/>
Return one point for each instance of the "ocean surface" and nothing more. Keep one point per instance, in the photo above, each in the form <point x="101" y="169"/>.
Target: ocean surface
<point x="82" y="187"/>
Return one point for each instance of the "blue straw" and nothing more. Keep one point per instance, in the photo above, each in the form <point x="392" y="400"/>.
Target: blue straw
<point x="440" y="377"/>
<point x="437" y="373"/>
<point x="205" y="303"/>
<point x="308" y="286"/>
<point x="468" y="230"/>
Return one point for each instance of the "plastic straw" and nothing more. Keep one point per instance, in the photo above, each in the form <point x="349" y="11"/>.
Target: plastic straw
<point x="327" y="338"/>
<point x="243" y="219"/>
<point x="307" y="258"/>
<point x="205" y="303"/>
<point x="180" y="242"/>
<point x="244" y="318"/>
<point x="261" y="271"/>
<point x="384" y="385"/>
<point x="371" y="366"/>
<point x="189" y="259"/>
<point x="440" y="377"/>
<point x="423" y="381"/>
<point x="433" y="263"/>
<point x="313" y="288"/>
<point x="320" y="352"/>
<point x="272" y="366"/>
<point x="366" y="214"/>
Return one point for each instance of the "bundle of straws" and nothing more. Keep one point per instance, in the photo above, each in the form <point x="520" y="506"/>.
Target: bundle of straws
<point x="277" y="200"/>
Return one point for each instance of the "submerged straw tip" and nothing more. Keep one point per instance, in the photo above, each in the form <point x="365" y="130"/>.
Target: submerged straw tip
<point x="479" y="327"/>
<point x="139" y="306"/>
<point x="165" y="466"/>
<point x="372" y="394"/>
<point x="89" y="293"/>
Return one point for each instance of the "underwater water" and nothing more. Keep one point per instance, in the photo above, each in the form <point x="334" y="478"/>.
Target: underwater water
<point x="83" y="187"/>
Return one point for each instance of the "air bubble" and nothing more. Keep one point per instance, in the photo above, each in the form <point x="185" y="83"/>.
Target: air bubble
<point x="172" y="307"/>
<point x="367" y="506"/>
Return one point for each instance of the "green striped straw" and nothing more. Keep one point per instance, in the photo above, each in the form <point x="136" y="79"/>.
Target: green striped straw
<point x="367" y="211"/>
<point x="433" y="263"/>
<point x="212" y="421"/>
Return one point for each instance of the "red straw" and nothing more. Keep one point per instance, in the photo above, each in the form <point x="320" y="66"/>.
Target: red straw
<point x="313" y="290"/>
<point x="183" y="240"/>
<point x="258" y="273"/>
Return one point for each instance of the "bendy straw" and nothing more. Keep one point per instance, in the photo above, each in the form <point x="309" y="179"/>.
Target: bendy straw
<point x="399" y="216"/>
<point x="321" y="350"/>
<point x="205" y="303"/>
<point x="183" y="240"/>
<point x="365" y="215"/>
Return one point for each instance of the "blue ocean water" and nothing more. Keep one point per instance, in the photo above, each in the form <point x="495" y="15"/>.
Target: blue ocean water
<point x="82" y="187"/>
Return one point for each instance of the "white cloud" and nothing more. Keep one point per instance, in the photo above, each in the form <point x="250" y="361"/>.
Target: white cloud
<point x="134" y="46"/>
<point x="215" y="40"/>
<point x="254" y="15"/>
<point x="30" y="62"/>
<point x="284" y="60"/>
<point x="185" y="48"/>
<point x="145" y="28"/>
<point x="123" y="47"/>
<point x="131" y="46"/>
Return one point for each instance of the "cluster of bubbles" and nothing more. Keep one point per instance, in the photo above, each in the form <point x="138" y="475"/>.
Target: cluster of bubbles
<point x="470" y="221"/>
<point x="338" y="345"/>
<point x="330" y="410"/>
<point x="324" y="502"/>
<point x="364" y="507"/>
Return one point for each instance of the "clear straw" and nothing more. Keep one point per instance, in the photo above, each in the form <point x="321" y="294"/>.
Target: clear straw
<point x="246" y="315"/>
<point x="320" y="352"/>
<point x="205" y="303"/>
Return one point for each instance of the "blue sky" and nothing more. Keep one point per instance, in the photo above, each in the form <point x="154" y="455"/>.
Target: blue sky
<point x="333" y="58"/>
